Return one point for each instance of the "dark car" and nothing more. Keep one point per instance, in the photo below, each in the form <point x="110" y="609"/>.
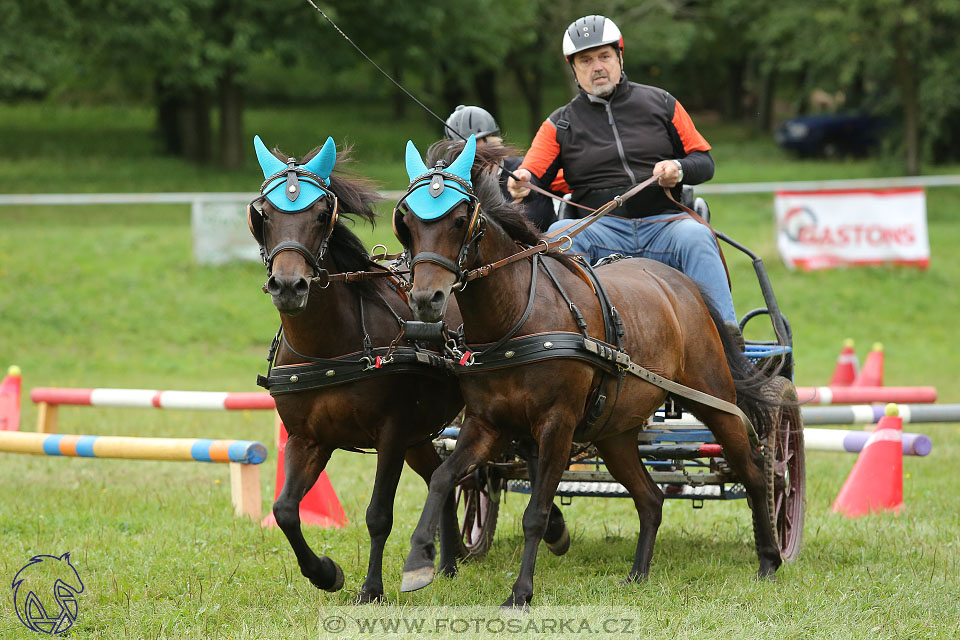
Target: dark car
<point x="830" y="135"/>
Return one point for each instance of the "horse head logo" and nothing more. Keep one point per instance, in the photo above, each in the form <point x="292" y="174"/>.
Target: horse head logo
<point x="45" y="594"/>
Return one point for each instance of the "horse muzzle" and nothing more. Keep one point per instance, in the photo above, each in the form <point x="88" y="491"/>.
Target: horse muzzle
<point x="289" y="293"/>
<point x="429" y="305"/>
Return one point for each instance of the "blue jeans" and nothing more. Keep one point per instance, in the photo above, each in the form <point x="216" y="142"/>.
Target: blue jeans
<point x="685" y="245"/>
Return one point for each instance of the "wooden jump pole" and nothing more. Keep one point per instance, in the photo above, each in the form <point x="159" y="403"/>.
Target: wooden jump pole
<point x="243" y="456"/>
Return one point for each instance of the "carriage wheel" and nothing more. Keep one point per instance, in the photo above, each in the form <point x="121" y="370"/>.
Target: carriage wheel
<point x="785" y="469"/>
<point x="478" y="505"/>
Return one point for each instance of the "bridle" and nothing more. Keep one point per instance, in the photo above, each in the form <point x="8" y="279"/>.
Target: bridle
<point x="476" y="224"/>
<point x="290" y="177"/>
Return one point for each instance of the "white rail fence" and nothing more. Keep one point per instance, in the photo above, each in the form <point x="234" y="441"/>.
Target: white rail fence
<point x="220" y="234"/>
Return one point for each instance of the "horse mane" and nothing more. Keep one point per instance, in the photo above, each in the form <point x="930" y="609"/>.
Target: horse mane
<point x="356" y="196"/>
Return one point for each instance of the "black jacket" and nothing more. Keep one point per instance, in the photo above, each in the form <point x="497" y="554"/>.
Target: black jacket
<point x="606" y="146"/>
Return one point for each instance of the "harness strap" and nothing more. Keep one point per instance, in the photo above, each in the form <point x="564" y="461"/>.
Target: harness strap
<point x="328" y="372"/>
<point x="526" y="312"/>
<point x="623" y="360"/>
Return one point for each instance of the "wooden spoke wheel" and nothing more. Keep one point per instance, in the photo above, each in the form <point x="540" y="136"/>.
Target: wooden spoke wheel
<point x="785" y="469"/>
<point x="478" y="504"/>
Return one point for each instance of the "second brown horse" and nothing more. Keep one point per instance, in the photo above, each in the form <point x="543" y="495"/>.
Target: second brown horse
<point x="668" y="329"/>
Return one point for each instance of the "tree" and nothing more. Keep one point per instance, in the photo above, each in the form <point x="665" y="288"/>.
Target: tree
<point x="35" y="51"/>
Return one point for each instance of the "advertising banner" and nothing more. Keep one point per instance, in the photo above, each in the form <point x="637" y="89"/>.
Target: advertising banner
<point x="826" y="229"/>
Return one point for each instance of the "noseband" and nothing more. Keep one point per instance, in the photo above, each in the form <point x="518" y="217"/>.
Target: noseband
<point x="434" y="179"/>
<point x="256" y="217"/>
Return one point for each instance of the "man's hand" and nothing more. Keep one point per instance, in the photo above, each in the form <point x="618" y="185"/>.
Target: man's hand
<point x="670" y="173"/>
<point x="514" y="187"/>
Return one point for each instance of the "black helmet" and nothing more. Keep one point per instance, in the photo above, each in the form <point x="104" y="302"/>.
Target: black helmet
<point x="470" y="119"/>
<point x="589" y="32"/>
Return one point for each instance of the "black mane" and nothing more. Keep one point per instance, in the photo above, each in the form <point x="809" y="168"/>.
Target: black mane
<point x="356" y="197"/>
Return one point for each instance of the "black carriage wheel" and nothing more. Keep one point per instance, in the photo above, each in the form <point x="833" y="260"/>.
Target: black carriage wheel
<point x="785" y="470"/>
<point x="478" y="505"/>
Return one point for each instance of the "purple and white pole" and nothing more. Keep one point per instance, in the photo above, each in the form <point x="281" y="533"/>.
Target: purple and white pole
<point x="914" y="444"/>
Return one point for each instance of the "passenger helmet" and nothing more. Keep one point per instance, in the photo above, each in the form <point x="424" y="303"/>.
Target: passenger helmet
<point x="467" y="120"/>
<point x="589" y="32"/>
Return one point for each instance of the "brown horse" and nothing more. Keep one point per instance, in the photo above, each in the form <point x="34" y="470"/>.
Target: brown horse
<point x="396" y="414"/>
<point x="668" y="329"/>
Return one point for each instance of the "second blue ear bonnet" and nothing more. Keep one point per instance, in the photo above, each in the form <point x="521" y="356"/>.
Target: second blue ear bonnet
<point x="429" y="206"/>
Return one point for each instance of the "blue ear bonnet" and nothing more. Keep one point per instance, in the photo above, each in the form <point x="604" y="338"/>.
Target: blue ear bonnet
<point x="292" y="187"/>
<point x="435" y="192"/>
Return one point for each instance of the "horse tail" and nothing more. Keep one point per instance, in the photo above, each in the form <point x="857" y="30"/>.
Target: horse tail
<point x="752" y="384"/>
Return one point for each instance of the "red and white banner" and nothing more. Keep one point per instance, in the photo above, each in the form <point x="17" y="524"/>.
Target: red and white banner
<point x="824" y="229"/>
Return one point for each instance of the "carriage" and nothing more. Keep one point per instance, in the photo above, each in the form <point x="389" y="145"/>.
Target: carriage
<point x="680" y="453"/>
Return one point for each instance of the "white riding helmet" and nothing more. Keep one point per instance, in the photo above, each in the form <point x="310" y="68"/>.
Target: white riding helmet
<point x="589" y="32"/>
<point x="466" y="120"/>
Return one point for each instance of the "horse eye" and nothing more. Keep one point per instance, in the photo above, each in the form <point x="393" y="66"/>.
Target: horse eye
<point x="458" y="223"/>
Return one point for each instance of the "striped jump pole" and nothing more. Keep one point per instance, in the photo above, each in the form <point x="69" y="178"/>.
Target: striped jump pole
<point x="864" y="395"/>
<point x="914" y="444"/>
<point x="871" y="414"/>
<point x="243" y="456"/>
<point x="49" y="399"/>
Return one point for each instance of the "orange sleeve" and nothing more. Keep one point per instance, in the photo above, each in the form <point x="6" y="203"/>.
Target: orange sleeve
<point x="559" y="184"/>
<point x="689" y="136"/>
<point x="543" y="150"/>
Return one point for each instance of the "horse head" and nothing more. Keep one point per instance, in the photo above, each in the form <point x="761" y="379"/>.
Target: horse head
<point x="439" y="222"/>
<point x="292" y="220"/>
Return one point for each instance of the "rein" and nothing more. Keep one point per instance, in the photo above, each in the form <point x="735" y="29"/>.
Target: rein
<point x="566" y="239"/>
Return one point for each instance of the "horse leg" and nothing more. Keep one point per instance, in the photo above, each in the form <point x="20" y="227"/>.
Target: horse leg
<point x="747" y="463"/>
<point x="620" y="455"/>
<point x="557" y="536"/>
<point x="555" y="442"/>
<point x="390" y="454"/>
<point x="423" y="459"/>
<point x="302" y="466"/>
<point x="478" y="442"/>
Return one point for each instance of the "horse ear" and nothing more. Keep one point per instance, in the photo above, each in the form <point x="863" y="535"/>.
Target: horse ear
<point x="322" y="163"/>
<point x="464" y="162"/>
<point x="269" y="163"/>
<point x="415" y="166"/>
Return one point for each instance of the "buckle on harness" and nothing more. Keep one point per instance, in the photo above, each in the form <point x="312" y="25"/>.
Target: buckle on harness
<point x="467" y="359"/>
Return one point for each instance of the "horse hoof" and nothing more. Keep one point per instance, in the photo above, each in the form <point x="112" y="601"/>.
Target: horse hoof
<point x="365" y="597"/>
<point x="338" y="579"/>
<point x="416" y="579"/>
<point x="513" y="608"/>
<point x="633" y="579"/>
<point x="561" y="546"/>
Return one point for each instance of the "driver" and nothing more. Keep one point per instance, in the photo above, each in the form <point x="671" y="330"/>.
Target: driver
<point x="613" y="135"/>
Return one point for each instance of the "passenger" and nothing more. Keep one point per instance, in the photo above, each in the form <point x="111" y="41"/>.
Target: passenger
<point x="465" y="120"/>
<point x="613" y="135"/>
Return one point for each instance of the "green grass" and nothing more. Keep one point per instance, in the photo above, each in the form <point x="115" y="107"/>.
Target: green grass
<point x="110" y="297"/>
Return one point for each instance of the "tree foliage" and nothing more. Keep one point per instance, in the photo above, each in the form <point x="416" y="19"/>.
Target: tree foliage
<point x="191" y="58"/>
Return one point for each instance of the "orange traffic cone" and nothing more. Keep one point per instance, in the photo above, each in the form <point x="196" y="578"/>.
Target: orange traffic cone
<point x="847" y="364"/>
<point x="876" y="481"/>
<point x="872" y="373"/>
<point x="10" y="400"/>
<point x="320" y="506"/>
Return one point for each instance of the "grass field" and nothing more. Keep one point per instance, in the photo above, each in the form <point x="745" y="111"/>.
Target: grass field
<point x="109" y="297"/>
